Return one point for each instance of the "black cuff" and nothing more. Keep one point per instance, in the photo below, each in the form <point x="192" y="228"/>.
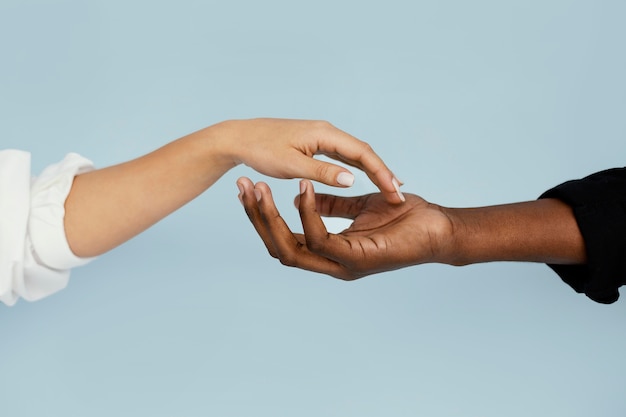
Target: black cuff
<point x="599" y="205"/>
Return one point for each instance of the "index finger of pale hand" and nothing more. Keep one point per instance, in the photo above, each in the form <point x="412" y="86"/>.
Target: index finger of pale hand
<point x="344" y="147"/>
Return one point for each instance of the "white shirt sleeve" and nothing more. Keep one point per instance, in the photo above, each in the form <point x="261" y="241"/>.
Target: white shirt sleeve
<point x="35" y="257"/>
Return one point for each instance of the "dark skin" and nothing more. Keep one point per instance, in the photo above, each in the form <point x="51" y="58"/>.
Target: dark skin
<point x="385" y="236"/>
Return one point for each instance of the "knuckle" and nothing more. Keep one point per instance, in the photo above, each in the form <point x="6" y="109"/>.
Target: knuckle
<point x="322" y="170"/>
<point x="316" y="244"/>
<point x="323" y="124"/>
<point x="346" y="276"/>
<point x="366" y="148"/>
<point x="288" y="258"/>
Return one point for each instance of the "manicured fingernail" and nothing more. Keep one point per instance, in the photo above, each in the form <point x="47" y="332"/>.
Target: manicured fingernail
<point x="397" y="187"/>
<point x="257" y="194"/>
<point x="302" y="187"/>
<point x="345" y="178"/>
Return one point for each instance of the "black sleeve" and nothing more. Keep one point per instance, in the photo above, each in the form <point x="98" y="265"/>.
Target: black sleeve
<point x="599" y="204"/>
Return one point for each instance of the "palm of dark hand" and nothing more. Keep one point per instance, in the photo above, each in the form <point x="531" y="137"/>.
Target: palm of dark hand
<point x="385" y="236"/>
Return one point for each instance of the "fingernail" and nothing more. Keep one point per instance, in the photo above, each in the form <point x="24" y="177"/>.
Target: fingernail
<point x="345" y="178"/>
<point x="397" y="187"/>
<point x="240" y="195"/>
<point x="257" y="194"/>
<point x="302" y="187"/>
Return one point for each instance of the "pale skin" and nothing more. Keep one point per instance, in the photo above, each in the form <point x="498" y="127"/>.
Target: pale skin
<point x="385" y="236"/>
<point x="109" y="206"/>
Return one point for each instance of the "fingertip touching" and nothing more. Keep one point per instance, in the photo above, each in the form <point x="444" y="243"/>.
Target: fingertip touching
<point x="387" y="183"/>
<point x="396" y="186"/>
<point x="390" y="188"/>
<point x="306" y="188"/>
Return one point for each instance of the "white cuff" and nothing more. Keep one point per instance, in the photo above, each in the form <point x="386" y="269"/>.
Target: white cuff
<point x="14" y="203"/>
<point x="46" y="227"/>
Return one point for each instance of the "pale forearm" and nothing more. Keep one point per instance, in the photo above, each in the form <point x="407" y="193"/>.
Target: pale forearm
<point x="107" y="207"/>
<point x="535" y="231"/>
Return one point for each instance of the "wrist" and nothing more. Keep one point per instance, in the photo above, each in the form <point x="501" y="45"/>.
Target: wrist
<point x="453" y="244"/>
<point x="229" y="139"/>
<point x="436" y="233"/>
<point x="218" y="144"/>
<point x="482" y="234"/>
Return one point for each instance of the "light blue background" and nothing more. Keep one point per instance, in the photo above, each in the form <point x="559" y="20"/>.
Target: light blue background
<point x="470" y="103"/>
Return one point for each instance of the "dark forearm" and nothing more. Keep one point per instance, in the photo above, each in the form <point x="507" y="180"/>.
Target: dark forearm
<point x="536" y="231"/>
